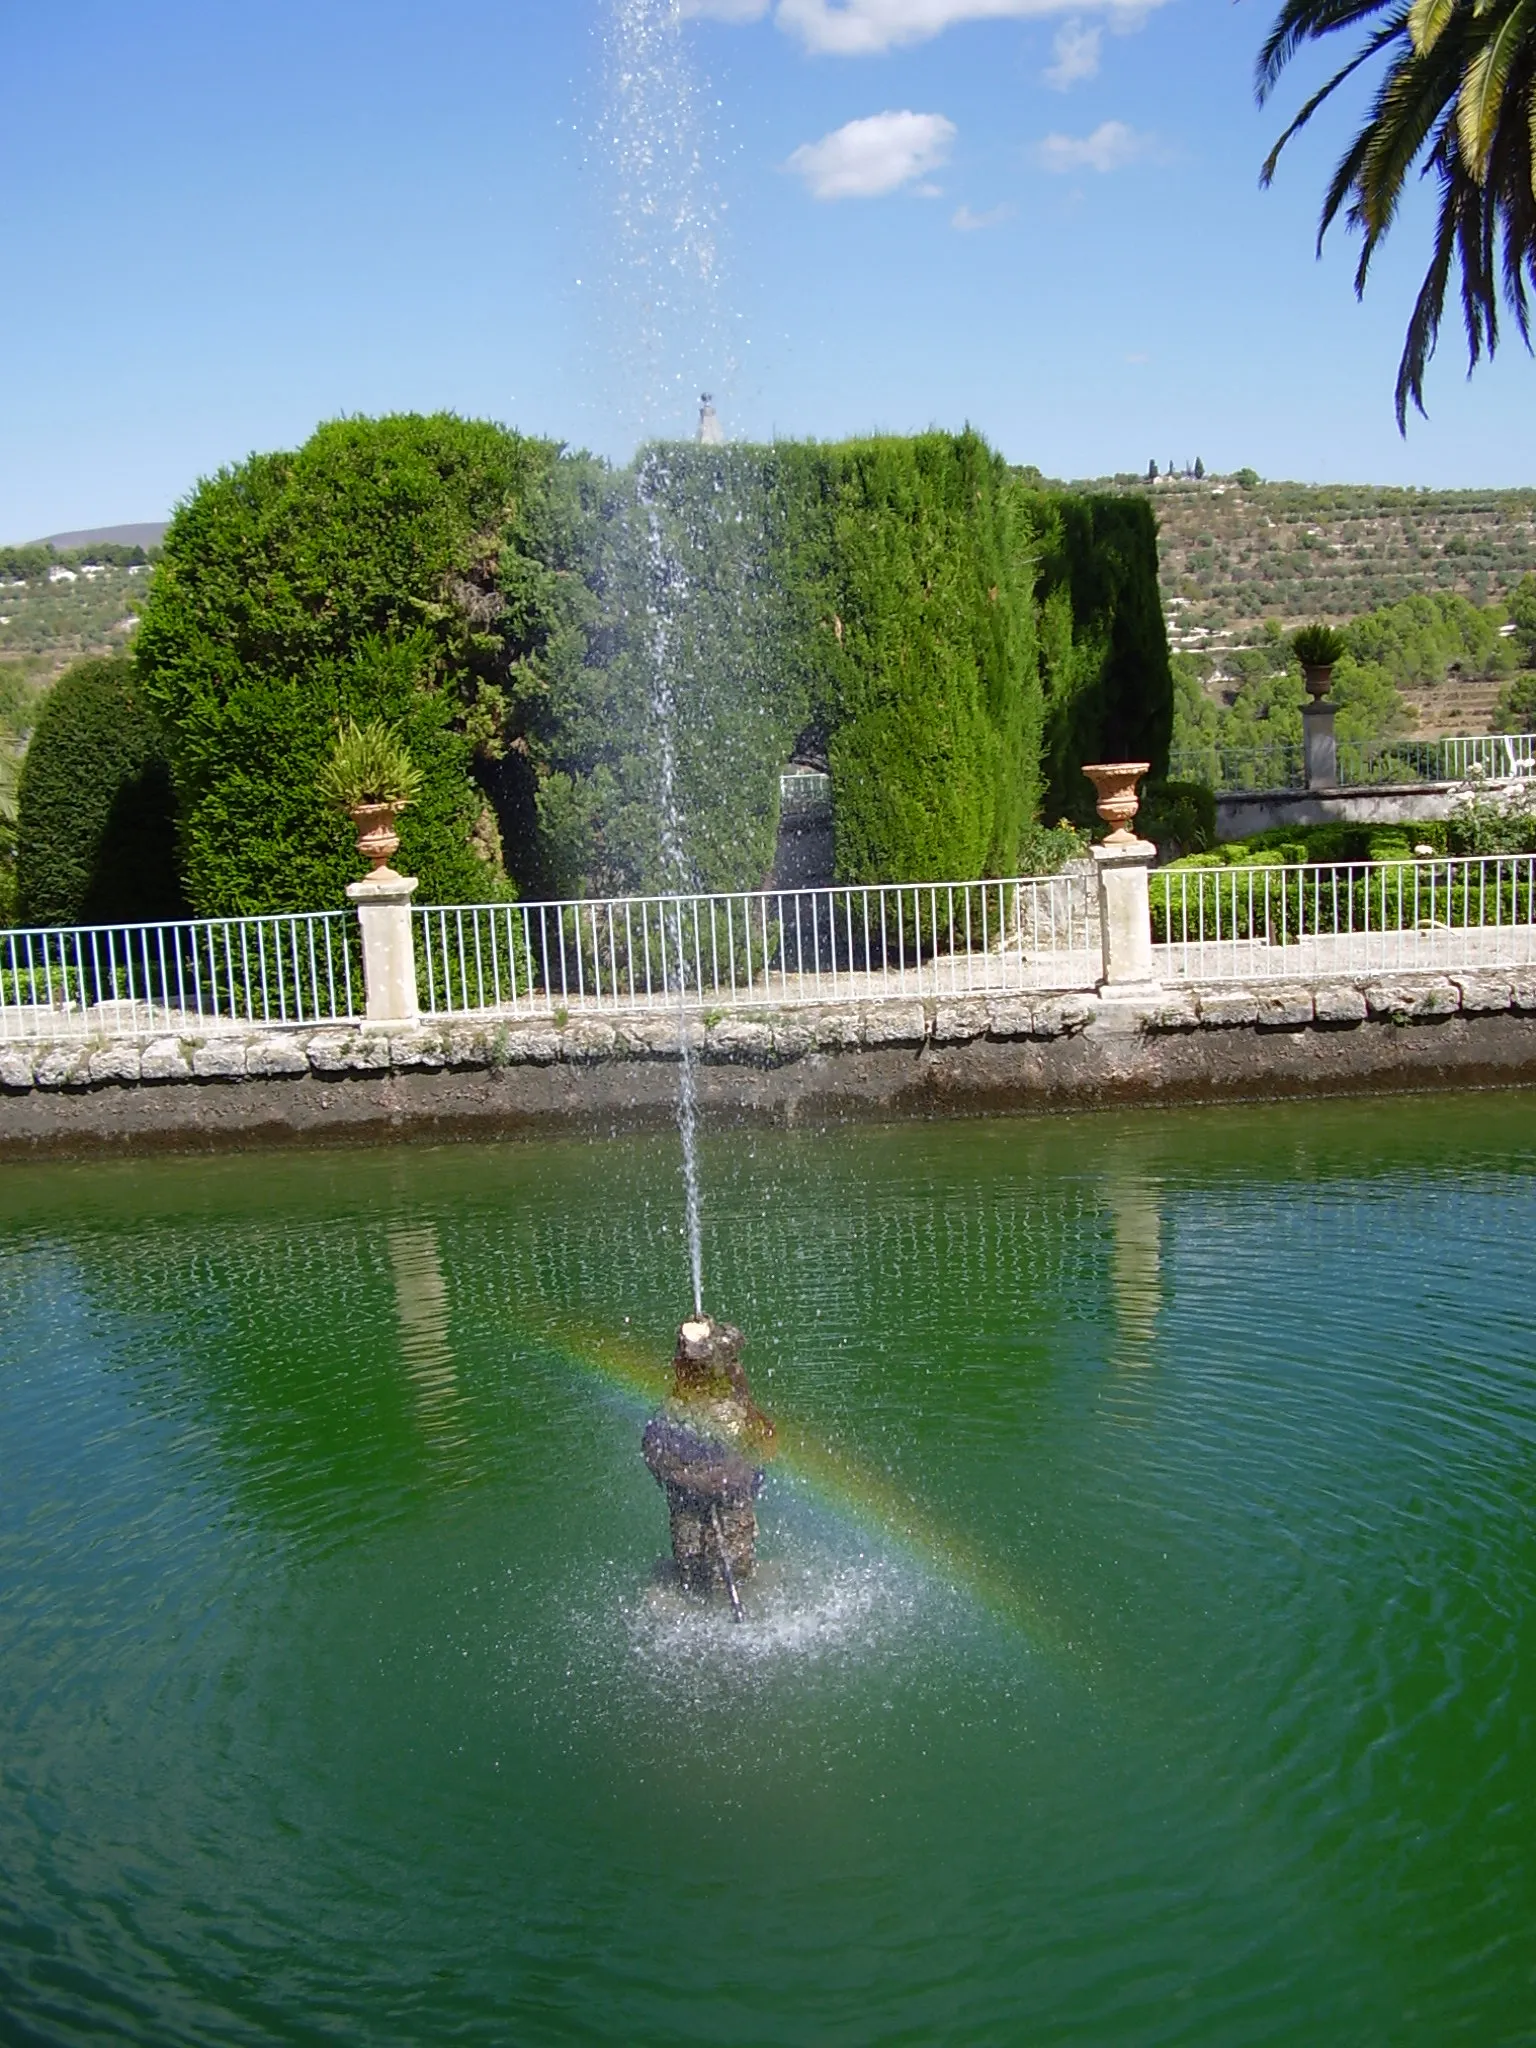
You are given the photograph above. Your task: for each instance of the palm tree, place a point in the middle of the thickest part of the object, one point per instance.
(1459, 101)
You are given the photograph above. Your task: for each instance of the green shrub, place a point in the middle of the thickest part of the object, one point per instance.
(668, 584)
(932, 690)
(363, 576)
(95, 835)
(873, 598)
(1516, 710)
(1104, 661)
(1178, 817)
(1046, 849)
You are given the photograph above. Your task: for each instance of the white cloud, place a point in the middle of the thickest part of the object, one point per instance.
(1077, 55)
(879, 154)
(964, 222)
(1110, 147)
(865, 28)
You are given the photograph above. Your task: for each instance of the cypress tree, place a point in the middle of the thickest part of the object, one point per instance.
(95, 831)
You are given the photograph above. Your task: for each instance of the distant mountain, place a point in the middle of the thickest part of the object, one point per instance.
(148, 534)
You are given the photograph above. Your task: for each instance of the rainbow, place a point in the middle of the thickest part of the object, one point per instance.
(840, 1480)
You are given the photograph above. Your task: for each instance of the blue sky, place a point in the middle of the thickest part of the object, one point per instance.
(227, 224)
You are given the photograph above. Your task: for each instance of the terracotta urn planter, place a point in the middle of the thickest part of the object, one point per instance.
(1318, 679)
(1116, 783)
(377, 839)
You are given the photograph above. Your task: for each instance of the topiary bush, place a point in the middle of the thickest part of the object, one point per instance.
(673, 611)
(1104, 661)
(1178, 817)
(930, 676)
(870, 599)
(364, 576)
(95, 830)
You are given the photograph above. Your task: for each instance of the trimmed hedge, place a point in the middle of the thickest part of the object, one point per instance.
(673, 619)
(523, 616)
(359, 577)
(1104, 660)
(872, 599)
(95, 831)
(1178, 817)
(931, 690)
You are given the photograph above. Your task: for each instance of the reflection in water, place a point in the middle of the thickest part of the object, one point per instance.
(421, 1302)
(1136, 1269)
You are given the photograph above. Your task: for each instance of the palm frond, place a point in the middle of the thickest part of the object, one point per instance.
(1379, 41)
(1426, 22)
(1458, 100)
(1424, 326)
(1410, 103)
(1480, 103)
(1303, 21)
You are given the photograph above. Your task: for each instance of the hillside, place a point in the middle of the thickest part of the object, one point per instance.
(66, 612)
(1234, 553)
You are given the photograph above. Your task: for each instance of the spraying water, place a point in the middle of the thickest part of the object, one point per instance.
(669, 340)
(670, 336)
(667, 585)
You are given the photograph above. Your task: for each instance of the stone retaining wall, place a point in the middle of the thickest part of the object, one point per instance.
(788, 1066)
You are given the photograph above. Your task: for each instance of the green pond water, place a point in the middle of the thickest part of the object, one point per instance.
(1145, 1647)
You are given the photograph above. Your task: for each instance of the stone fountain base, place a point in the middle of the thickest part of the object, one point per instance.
(697, 1540)
(701, 1451)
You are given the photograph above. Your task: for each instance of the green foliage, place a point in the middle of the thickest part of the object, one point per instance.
(1456, 98)
(668, 617)
(1046, 849)
(361, 577)
(1522, 613)
(1421, 638)
(1295, 845)
(24, 563)
(1397, 645)
(1317, 646)
(531, 624)
(873, 599)
(95, 841)
(1516, 709)
(928, 662)
(1104, 658)
(1495, 821)
(369, 765)
(1178, 817)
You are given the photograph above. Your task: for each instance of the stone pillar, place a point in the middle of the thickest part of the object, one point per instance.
(389, 956)
(1320, 746)
(1125, 916)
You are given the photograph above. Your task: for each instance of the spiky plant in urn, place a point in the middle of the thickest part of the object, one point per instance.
(1115, 782)
(372, 777)
(1317, 648)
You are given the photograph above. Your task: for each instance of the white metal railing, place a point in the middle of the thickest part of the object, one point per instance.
(804, 792)
(769, 946)
(1295, 923)
(1362, 764)
(208, 974)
